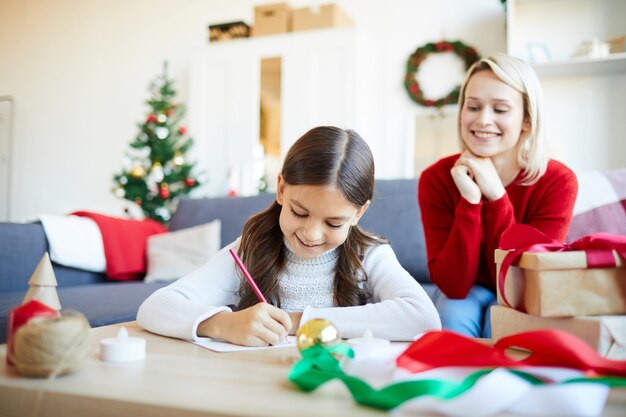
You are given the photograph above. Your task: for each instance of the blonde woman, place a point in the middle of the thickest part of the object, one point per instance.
(501, 177)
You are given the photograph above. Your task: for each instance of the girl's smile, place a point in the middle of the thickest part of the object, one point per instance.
(314, 218)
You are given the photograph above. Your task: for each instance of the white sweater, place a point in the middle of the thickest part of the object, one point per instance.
(399, 309)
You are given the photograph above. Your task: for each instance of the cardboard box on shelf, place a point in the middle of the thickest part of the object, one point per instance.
(606, 334)
(559, 284)
(617, 44)
(270, 19)
(325, 16)
(226, 31)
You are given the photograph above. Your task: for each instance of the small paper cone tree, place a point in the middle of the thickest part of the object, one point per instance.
(43, 284)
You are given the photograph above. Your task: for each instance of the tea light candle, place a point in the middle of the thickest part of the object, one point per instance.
(368, 340)
(123, 348)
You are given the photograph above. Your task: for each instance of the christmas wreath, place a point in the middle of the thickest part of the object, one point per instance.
(466, 53)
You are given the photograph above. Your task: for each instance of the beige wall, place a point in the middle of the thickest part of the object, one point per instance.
(79, 71)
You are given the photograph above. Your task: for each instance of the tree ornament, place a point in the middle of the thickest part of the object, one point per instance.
(182, 130)
(164, 191)
(151, 118)
(138, 172)
(156, 172)
(190, 182)
(162, 118)
(169, 112)
(162, 132)
(179, 159)
(316, 332)
(466, 53)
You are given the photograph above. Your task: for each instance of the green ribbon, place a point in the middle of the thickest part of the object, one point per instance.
(319, 365)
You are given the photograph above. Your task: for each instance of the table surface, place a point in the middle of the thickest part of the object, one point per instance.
(182, 379)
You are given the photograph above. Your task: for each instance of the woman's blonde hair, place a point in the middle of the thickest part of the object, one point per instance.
(532, 153)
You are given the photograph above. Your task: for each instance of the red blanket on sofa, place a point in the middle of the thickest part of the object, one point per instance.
(125, 243)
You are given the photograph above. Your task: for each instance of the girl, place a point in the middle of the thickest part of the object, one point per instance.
(308, 257)
(501, 177)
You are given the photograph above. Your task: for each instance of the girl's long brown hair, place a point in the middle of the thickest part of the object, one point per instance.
(324, 155)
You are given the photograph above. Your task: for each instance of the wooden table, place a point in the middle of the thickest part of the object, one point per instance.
(178, 378)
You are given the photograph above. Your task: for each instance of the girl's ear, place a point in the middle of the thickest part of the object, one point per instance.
(280, 189)
(360, 212)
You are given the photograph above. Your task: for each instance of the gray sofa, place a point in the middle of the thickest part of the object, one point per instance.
(393, 213)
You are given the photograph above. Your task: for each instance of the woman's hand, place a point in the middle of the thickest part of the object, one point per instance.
(259, 325)
(483, 174)
(464, 181)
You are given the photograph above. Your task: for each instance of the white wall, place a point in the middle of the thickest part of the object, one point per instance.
(79, 72)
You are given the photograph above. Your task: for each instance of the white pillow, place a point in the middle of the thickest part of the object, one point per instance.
(74, 241)
(174, 254)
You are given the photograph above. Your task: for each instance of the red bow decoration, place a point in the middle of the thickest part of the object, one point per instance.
(521, 238)
(548, 348)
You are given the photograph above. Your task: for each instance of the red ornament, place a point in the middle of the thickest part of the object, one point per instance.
(19, 316)
(164, 192)
(152, 118)
(190, 182)
(138, 201)
(182, 130)
(169, 112)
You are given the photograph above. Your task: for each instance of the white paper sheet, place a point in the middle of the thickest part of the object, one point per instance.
(221, 346)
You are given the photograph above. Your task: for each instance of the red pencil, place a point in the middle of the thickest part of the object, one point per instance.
(246, 274)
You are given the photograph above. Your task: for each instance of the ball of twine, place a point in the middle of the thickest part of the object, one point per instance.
(51, 346)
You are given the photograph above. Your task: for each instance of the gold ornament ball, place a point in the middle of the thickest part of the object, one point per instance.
(316, 332)
(138, 172)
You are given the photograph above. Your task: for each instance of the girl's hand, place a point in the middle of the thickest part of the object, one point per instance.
(464, 181)
(485, 175)
(259, 325)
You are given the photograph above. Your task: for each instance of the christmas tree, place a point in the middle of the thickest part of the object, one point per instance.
(155, 172)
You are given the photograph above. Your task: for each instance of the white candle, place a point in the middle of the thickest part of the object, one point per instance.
(122, 348)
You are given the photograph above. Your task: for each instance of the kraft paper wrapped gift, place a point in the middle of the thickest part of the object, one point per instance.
(324, 16)
(606, 334)
(559, 284)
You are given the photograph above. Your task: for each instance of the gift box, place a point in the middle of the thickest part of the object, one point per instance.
(560, 284)
(270, 19)
(226, 31)
(606, 334)
(325, 16)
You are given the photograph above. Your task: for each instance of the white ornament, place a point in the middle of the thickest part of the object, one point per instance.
(162, 132)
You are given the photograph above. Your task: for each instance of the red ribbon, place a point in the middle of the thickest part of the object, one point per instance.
(547, 348)
(521, 238)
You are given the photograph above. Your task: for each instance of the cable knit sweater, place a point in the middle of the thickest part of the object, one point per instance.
(399, 309)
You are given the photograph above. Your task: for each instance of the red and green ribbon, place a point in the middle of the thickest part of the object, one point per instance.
(320, 365)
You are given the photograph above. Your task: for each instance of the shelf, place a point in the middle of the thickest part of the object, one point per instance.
(614, 63)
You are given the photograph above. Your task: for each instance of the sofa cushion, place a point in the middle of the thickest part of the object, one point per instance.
(174, 254)
(103, 304)
(601, 203)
